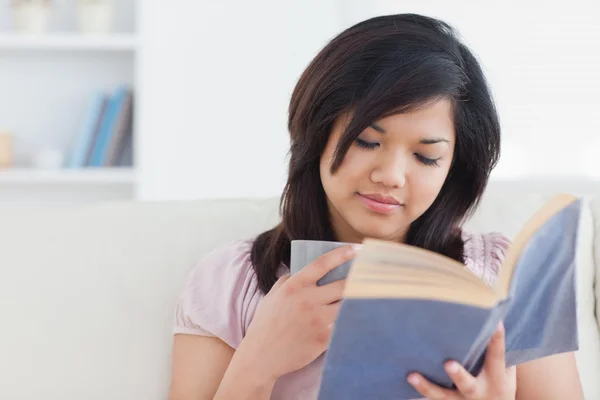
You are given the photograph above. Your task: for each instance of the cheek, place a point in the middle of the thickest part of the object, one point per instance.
(353, 164)
(353, 169)
(427, 184)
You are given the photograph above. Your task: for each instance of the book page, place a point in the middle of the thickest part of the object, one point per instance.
(381, 252)
(374, 280)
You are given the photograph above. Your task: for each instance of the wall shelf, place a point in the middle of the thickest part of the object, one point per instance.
(84, 176)
(68, 42)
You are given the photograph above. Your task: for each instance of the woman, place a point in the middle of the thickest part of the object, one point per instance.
(393, 136)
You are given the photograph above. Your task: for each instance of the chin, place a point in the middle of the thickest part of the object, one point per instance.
(379, 231)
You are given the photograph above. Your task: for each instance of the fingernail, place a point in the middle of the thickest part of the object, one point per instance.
(413, 379)
(452, 367)
(500, 327)
(357, 246)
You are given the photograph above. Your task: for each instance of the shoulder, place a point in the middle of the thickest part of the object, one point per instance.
(484, 253)
(220, 295)
(230, 261)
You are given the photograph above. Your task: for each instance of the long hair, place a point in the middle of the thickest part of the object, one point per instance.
(379, 67)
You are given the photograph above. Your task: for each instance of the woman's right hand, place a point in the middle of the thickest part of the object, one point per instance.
(293, 322)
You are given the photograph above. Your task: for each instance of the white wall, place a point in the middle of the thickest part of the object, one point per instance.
(543, 63)
(215, 83)
(216, 79)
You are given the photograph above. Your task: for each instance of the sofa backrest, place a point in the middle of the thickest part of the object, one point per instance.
(87, 294)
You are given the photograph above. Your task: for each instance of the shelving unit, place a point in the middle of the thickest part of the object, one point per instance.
(48, 80)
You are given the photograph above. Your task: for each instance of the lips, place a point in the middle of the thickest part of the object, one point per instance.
(380, 204)
(382, 199)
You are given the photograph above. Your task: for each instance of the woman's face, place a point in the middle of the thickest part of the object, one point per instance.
(391, 174)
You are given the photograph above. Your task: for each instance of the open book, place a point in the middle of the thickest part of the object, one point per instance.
(408, 309)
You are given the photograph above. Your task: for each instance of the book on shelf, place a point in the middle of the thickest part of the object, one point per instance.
(105, 133)
(406, 309)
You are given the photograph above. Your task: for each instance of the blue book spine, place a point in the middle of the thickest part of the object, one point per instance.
(107, 128)
(84, 140)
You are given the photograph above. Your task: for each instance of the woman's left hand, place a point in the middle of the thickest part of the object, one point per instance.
(495, 382)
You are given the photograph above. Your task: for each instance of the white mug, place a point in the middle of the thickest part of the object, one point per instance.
(303, 252)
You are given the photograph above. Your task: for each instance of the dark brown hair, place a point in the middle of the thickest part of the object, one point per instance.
(378, 67)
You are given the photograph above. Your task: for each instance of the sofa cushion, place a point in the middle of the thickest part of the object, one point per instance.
(588, 356)
(596, 221)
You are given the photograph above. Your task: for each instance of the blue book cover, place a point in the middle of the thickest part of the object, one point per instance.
(407, 309)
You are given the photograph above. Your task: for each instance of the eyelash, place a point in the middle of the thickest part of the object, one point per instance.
(366, 145)
(428, 161)
(363, 144)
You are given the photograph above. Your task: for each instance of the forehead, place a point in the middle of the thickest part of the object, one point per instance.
(432, 119)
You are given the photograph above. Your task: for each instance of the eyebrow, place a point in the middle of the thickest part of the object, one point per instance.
(378, 128)
(422, 141)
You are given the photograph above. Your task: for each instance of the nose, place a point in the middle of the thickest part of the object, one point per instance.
(390, 170)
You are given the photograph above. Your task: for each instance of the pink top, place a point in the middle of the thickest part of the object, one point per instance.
(222, 294)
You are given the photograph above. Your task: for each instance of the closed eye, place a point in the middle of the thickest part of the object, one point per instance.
(428, 161)
(373, 145)
(366, 145)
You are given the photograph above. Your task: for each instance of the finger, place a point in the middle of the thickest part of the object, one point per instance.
(495, 364)
(331, 292)
(511, 379)
(325, 263)
(467, 384)
(282, 279)
(511, 373)
(430, 390)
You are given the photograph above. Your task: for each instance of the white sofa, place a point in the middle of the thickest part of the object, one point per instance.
(87, 294)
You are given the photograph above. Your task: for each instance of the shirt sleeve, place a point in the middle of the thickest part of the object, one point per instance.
(220, 296)
(485, 253)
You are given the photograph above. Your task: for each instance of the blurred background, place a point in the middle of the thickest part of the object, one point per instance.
(105, 100)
